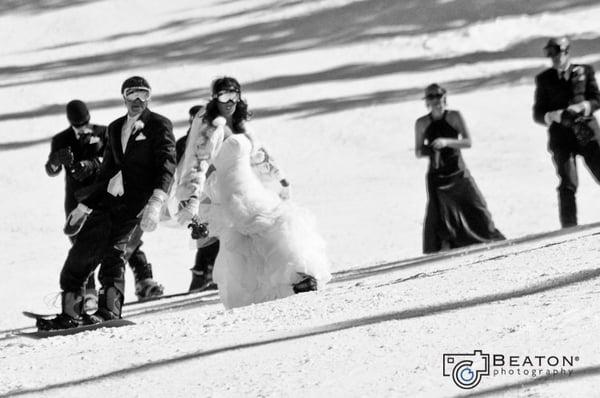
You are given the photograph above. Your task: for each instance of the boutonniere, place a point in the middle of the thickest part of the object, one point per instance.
(94, 139)
(579, 73)
(138, 126)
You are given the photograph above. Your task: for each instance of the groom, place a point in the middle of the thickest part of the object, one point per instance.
(130, 189)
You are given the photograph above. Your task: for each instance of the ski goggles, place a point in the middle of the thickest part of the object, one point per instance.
(226, 96)
(133, 93)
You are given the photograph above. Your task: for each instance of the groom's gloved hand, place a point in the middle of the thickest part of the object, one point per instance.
(151, 213)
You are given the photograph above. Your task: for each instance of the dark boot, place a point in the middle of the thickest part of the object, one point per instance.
(203, 268)
(567, 208)
(307, 284)
(71, 315)
(147, 288)
(145, 285)
(198, 280)
(110, 303)
(90, 297)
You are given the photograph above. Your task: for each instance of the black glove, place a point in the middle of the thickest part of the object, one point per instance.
(199, 230)
(63, 156)
(579, 124)
(82, 170)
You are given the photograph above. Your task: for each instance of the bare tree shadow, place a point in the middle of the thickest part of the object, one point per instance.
(324, 28)
(7, 146)
(37, 6)
(548, 285)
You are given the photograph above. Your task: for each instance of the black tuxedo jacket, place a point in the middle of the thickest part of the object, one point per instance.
(147, 164)
(553, 94)
(90, 149)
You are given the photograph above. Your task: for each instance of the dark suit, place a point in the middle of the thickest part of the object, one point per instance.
(552, 94)
(147, 164)
(90, 148)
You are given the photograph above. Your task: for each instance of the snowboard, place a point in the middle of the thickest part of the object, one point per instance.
(41, 334)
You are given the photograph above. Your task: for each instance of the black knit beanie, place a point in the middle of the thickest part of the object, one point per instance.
(77, 113)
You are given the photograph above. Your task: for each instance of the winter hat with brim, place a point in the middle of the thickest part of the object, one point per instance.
(77, 113)
(136, 82)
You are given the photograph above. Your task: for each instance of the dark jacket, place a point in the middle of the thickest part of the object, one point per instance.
(553, 94)
(90, 148)
(147, 164)
(180, 146)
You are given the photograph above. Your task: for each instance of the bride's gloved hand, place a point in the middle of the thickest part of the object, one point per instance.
(187, 210)
(285, 193)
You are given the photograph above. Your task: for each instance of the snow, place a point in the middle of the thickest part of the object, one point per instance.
(336, 88)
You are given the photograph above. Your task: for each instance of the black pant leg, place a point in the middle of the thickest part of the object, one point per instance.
(112, 272)
(136, 257)
(86, 251)
(566, 168)
(591, 155)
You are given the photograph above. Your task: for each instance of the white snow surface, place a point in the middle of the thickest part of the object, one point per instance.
(335, 87)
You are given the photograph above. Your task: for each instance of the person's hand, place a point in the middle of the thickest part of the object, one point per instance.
(65, 156)
(439, 143)
(82, 170)
(553, 117)
(187, 210)
(285, 193)
(76, 219)
(582, 107)
(151, 213)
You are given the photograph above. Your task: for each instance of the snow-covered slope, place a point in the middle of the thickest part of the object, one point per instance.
(335, 87)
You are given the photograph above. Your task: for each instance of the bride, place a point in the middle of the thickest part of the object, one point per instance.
(269, 248)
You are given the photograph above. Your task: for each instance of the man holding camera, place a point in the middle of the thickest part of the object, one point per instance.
(128, 194)
(566, 95)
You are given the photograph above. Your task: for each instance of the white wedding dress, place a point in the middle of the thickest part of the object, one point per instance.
(266, 242)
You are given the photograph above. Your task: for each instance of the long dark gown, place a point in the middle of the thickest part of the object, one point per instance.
(457, 214)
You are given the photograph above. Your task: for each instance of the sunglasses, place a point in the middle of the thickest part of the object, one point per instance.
(552, 51)
(434, 96)
(133, 93)
(226, 96)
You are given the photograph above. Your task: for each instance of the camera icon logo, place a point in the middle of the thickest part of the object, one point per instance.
(467, 369)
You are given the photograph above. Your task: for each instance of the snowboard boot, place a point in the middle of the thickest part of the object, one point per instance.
(148, 288)
(145, 286)
(307, 284)
(198, 280)
(70, 317)
(90, 301)
(110, 303)
(203, 268)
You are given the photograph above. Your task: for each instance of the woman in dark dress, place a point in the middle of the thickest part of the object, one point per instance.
(457, 214)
